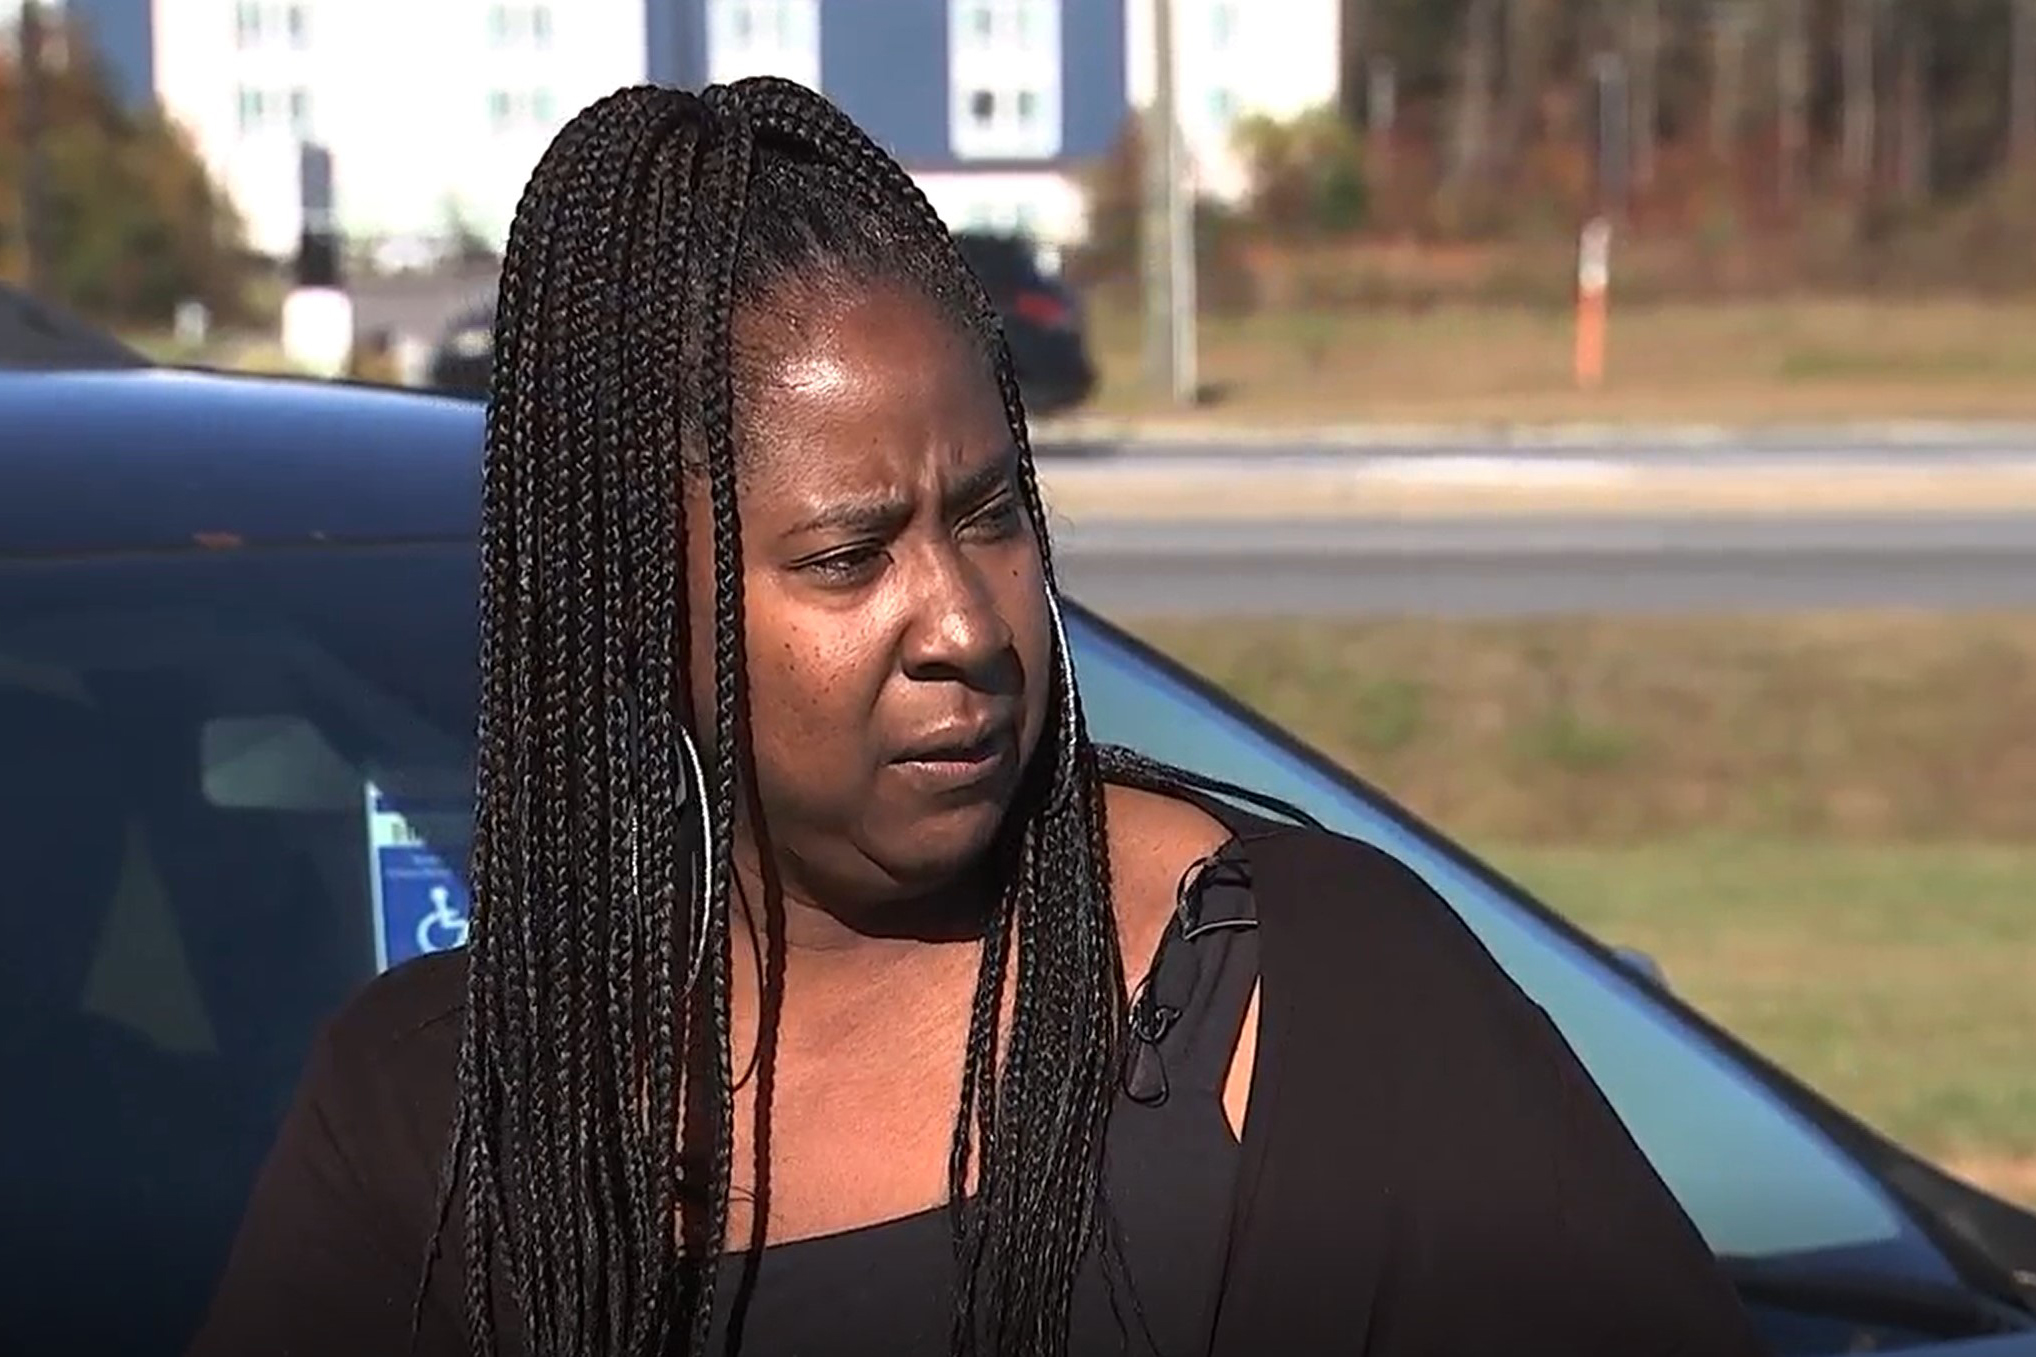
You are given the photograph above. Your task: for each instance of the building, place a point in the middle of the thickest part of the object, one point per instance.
(431, 113)
(1234, 59)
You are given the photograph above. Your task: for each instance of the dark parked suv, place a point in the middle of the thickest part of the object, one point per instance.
(1042, 318)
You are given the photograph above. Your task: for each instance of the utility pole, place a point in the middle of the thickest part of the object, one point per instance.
(2022, 84)
(1169, 253)
(34, 167)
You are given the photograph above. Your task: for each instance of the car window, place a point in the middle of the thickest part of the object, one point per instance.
(233, 786)
(230, 787)
(1758, 1180)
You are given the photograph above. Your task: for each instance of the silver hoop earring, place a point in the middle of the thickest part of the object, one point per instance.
(1069, 702)
(694, 773)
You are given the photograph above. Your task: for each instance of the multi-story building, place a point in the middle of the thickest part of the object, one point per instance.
(431, 113)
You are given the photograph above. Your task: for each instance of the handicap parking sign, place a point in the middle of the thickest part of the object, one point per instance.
(421, 901)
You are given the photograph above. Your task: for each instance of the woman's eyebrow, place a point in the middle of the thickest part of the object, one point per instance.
(880, 510)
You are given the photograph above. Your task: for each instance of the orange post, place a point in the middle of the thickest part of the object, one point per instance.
(1594, 279)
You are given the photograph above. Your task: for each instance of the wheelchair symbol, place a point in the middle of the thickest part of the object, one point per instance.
(444, 927)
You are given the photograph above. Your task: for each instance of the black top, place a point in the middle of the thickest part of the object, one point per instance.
(1425, 1169)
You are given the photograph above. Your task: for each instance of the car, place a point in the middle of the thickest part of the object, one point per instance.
(1042, 318)
(237, 706)
(37, 334)
(463, 357)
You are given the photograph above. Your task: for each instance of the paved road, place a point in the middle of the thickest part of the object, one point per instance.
(1682, 444)
(1542, 564)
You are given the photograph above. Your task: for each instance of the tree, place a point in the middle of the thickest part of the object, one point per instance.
(1307, 174)
(1861, 44)
(1792, 94)
(135, 222)
(2022, 84)
(1471, 136)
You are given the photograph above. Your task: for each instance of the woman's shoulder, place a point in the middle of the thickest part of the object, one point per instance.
(382, 1073)
(1333, 908)
(406, 1019)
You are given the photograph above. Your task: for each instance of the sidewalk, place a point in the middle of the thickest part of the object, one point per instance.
(1135, 435)
(1508, 483)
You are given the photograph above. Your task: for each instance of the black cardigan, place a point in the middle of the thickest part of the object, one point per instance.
(1428, 1169)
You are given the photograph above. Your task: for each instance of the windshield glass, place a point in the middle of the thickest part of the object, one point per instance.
(234, 786)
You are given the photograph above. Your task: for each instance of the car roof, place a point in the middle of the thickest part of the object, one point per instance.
(37, 335)
(162, 458)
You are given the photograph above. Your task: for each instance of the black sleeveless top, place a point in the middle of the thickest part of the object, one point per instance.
(1472, 1194)
(1170, 1164)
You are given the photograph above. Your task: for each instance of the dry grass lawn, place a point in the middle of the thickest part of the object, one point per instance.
(1799, 360)
(1821, 826)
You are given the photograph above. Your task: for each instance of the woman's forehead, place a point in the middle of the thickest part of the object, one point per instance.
(866, 387)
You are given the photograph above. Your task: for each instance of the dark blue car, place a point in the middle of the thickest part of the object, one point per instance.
(237, 687)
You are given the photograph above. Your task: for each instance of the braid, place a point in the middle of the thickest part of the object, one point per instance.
(1039, 1124)
(591, 1156)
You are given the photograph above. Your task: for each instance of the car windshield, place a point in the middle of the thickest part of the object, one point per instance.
(235, 785)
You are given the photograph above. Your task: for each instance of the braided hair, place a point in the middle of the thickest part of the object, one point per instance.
(590, 1161)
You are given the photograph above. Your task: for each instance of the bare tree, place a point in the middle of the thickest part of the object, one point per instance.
(1731, 28)
(1470, 150)
(2022, 84)
(1913, 137)
(1792, 88)
(1528, 24)
(1644, 39)
(1860, 48)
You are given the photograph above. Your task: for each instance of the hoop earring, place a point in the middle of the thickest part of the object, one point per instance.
(693, 772)
(1070, 702)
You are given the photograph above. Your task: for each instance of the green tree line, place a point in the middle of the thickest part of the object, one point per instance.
(1907, 100)
(133, 224)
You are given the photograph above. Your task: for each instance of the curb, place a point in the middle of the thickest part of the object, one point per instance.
(1137, 434)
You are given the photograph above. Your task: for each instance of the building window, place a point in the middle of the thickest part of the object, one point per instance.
(522, 110)
(253, 110)
(1005, 70)
(1004, 25)
(299, 23)
(1222, 24)
(540, 26)
(498, 25)
(1222, 107)
(247, 23)
(763, 37)
(300, 112)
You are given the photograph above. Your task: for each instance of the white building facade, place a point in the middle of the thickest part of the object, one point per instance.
(1234, 59)
(432, 113)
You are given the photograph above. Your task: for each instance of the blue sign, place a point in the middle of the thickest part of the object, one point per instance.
(422, 904)
(421, 901)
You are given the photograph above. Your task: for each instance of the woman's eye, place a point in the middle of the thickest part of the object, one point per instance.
(997, 520)
(852, 566)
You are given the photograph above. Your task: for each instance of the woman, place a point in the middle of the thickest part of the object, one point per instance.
(828, 991)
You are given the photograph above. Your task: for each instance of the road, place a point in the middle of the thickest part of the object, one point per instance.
(1525, 564)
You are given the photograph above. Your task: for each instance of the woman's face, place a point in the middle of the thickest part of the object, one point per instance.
(899, 644)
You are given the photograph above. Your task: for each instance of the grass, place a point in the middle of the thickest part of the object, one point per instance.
(1738, 362)
(1847, 727)
(1821, 826)
(1900, 979)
